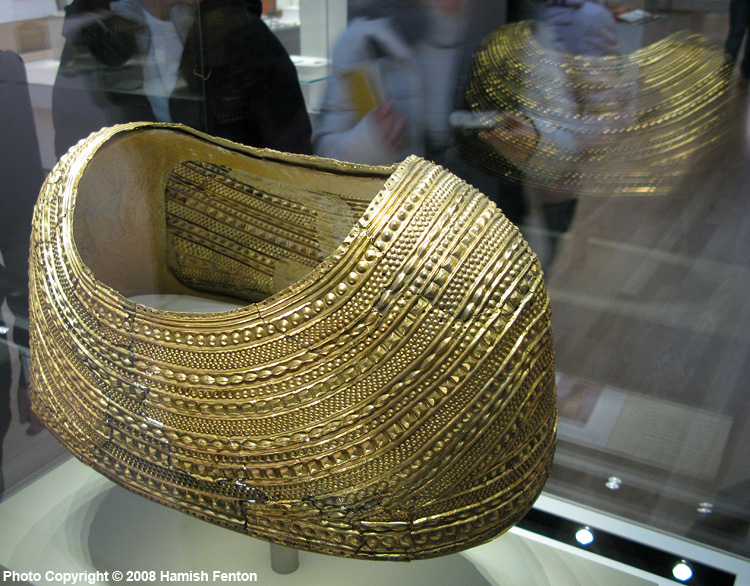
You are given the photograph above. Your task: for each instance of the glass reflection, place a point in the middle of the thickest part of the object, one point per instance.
(397, 74)
(22, 175)
(213, 65)
(646, 291)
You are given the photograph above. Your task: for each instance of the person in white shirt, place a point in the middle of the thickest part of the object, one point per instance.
(419, 53)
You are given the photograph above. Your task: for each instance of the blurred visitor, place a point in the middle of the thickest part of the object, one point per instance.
(22, 176)
(213, 65)
(576, 103)
(579, 27)
(739, 21)
(571, 27)
(398, 73)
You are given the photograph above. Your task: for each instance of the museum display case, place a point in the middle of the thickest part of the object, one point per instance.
(649, 483)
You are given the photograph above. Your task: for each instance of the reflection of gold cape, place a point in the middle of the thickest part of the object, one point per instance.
(627, 124)
(389, 391)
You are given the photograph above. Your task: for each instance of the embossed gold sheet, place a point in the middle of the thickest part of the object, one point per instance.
(385, 389)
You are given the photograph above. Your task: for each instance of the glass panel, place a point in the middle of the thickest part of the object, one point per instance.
(649, 308)
(24, 449)
(648, 293)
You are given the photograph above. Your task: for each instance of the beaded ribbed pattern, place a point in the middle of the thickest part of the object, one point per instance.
(396, 403)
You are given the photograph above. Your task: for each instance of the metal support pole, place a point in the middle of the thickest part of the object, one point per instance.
(284, 560)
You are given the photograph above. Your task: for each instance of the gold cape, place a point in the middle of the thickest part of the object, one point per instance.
(386, 388)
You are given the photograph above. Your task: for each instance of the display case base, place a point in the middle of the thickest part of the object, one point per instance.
(74, 521)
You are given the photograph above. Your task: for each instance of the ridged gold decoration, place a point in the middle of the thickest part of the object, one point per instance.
(385, 391)
(620, 125)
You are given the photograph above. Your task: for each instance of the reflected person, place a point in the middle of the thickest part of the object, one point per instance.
(578, 119)
(572, 27)
(22, 174)
(739, 22)
(398, 73)
(213, 65)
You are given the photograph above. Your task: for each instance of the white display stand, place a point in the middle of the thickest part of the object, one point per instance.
(73, 520)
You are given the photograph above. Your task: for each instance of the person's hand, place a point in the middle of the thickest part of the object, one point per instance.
(26, 414)
(391, 126)
(514, 137)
